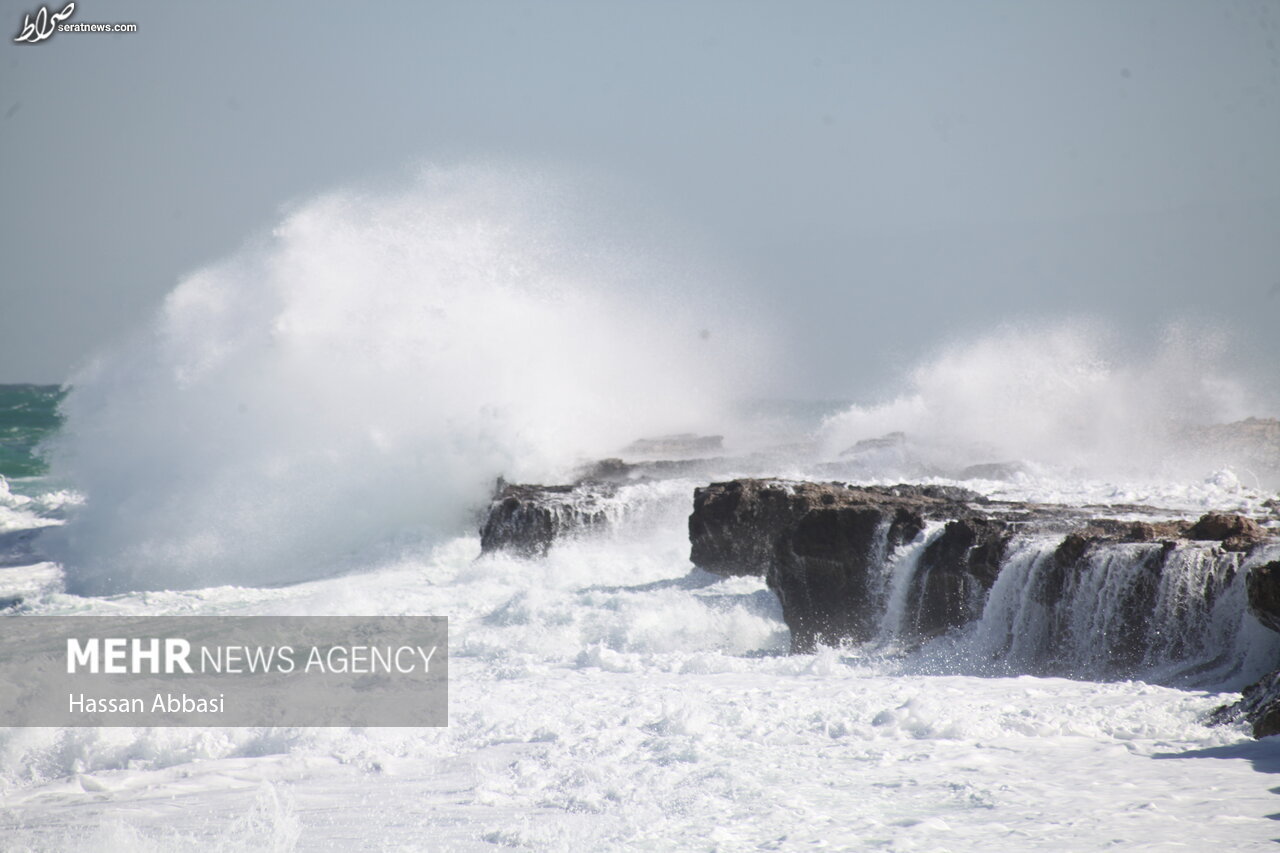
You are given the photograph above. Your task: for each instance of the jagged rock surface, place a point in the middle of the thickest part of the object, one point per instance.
(526, 519)
(1235, 532)
(817, 545)
(821, 548)
(1259, 706)
(956, 570)
(1263, 586)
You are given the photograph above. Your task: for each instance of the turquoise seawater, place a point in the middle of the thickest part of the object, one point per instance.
(28, 414)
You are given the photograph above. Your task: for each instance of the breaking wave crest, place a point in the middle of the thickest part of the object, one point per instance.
(366, 373)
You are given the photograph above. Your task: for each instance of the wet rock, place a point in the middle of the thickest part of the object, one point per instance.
(825, 565)
(526, 519)
(956, 571)
(735, 526)
(823, 548)
(1263, 586)
(818, 545)
(1259, 706)
(1147, 531)
(1235, 532)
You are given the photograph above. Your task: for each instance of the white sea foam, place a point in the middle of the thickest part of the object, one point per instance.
(607, 697)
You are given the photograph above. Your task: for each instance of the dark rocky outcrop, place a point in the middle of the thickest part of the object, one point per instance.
(853, 563)
(956, 570)
(526, 519)
(822, 549)
(1259, 703)
(1259, 706)
(1263, 586)
(735, 526)
(1235, 532)
(823, 568)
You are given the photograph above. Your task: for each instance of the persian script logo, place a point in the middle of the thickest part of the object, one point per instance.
(44, 25)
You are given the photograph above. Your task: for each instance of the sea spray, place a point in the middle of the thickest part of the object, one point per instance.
(363, 376)
(1064, 398)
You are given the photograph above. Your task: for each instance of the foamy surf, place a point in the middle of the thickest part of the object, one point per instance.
(313, 426)
(613, 698)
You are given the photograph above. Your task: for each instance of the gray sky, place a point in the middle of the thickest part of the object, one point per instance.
(880, 175)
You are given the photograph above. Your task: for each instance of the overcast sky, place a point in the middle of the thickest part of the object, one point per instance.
(879, 175)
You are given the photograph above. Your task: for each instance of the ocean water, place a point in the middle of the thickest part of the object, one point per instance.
(314, 426)
(28, 413)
